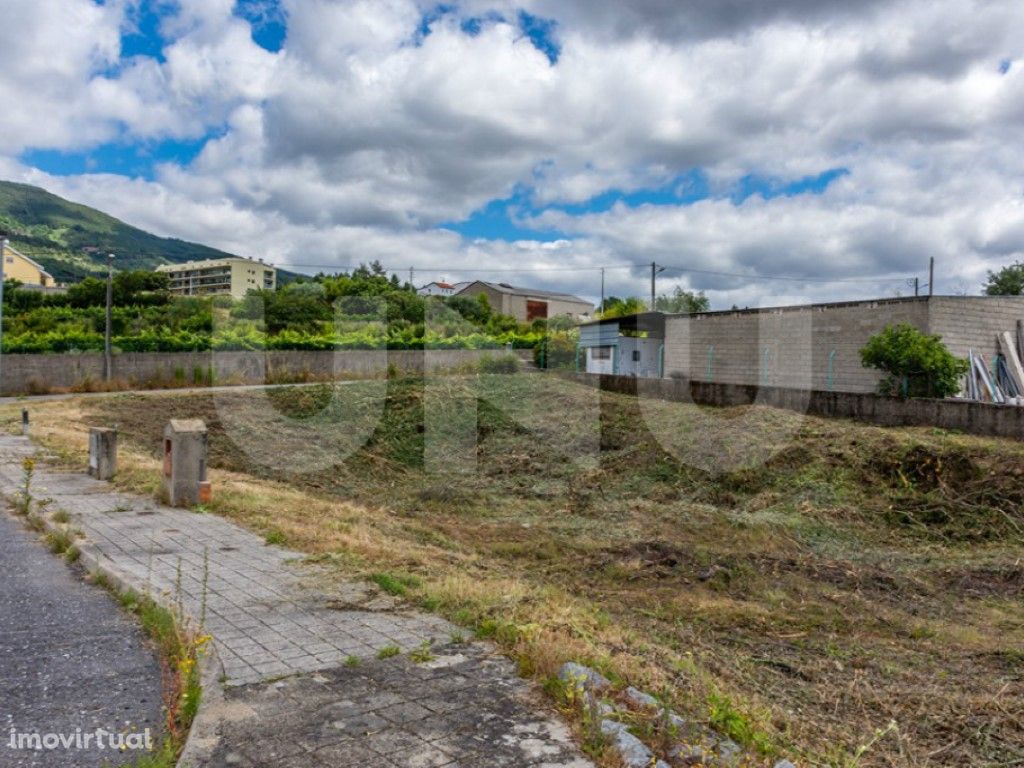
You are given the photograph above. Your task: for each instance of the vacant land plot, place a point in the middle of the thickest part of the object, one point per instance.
(844, 594)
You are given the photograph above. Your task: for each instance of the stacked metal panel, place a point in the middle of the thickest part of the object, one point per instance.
(1003, 382)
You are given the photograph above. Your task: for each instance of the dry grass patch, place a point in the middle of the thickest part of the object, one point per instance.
(820, 581)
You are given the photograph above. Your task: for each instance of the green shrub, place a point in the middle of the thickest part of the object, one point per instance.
(917, 364)
(556, 351)
(502, 364)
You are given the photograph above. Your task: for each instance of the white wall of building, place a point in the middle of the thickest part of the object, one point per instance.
(639, 356)
(601, 360)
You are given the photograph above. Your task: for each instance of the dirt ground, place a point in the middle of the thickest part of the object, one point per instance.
(837, 593)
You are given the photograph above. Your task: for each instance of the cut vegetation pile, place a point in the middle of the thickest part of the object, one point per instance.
(834, 592)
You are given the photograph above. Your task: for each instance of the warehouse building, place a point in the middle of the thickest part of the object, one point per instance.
(528, 304)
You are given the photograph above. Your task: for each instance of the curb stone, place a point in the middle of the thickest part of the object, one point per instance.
(203, 735)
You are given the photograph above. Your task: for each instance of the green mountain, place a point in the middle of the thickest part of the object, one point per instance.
(72, 241)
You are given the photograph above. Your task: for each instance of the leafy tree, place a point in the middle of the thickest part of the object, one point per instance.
(296, 306)
(683, 301)
(917, 364)
(616, 307)
(556, 351)
(1009, 281)
(139, 287)
(472, 309)
(90, 292)
(19, 299)
(131, 288)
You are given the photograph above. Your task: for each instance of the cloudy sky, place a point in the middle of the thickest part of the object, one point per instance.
(736, 142)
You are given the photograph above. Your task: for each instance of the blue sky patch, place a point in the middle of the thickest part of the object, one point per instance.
(769, 187)
(685, 189)
(542, 34)
(268, 22)
(427, 20)
(142, 35)
(475, 24)
(496, 221)
(499, 219)
(133, 160)
(1004, 66)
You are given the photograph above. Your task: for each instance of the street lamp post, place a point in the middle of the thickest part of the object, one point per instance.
(108, 362)
(3, 263)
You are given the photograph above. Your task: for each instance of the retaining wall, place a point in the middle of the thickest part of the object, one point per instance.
(25, 374)
(961, 415)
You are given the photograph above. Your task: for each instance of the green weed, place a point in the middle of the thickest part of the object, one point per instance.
(393, 584)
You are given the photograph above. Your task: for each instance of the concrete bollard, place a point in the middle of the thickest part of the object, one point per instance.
(184, 462)
(102, 452)
(24, 421)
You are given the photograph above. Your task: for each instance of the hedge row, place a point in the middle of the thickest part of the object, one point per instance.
(74, 340)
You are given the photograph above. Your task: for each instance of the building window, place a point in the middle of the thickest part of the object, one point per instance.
(636, 355)
(536, 310)
(601, 353)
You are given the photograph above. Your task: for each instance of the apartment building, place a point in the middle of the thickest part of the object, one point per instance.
(235, 276)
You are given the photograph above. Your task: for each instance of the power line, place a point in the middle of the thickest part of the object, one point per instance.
(789, 277)
(599, 268)
(467, 269)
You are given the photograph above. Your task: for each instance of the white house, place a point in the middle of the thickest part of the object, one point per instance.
(440, 289)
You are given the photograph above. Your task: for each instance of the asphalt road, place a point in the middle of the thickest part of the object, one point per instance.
(69, 659)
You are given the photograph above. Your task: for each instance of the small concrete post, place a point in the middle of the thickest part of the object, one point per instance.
(185, 462)
(24, 421)
(102, 452)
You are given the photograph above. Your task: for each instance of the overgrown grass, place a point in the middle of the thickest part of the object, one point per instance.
(395, 584)
(61, 541)
(276, 538)
(796, 582)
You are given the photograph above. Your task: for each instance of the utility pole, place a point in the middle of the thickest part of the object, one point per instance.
(917, 289)
(3, 264)
(931, 276)
(602, 289)
(655, 269)
(412, 276)
(108, 361)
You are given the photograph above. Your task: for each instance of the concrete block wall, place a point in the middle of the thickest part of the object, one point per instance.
(791, 346)
(25, 374)
(788, 346)
(973, 322)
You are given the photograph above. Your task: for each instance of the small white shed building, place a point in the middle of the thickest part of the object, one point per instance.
(633, 345)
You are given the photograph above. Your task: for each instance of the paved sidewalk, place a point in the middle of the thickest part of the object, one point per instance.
(270, 618)
(69, 658)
